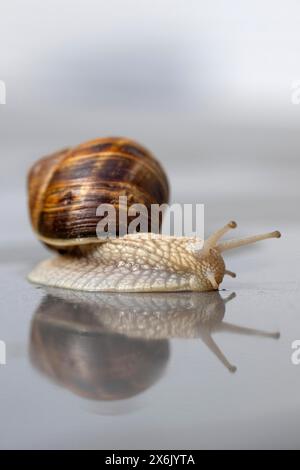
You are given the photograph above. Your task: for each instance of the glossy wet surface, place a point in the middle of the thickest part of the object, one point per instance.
(153, 371)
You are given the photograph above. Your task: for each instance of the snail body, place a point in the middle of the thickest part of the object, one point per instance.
(63, 201)
(141, 263)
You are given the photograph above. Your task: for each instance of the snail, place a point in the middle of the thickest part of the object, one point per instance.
(65, 190)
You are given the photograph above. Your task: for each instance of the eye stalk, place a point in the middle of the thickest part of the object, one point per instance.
(212, 251)
(215, 237)
(231, 244)
(212, 241)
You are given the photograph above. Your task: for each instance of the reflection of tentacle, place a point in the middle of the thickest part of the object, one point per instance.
(214, 348)
(241, 330)
(230, 273)
(229, 297)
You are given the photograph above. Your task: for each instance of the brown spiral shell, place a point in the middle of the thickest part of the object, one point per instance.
(66, 188)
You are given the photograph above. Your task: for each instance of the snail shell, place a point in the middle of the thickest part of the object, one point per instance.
(66, 188)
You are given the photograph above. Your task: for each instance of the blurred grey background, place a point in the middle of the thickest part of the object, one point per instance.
(206, 85)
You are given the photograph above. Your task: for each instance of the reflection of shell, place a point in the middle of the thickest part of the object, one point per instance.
(99, 365)
(110, 346)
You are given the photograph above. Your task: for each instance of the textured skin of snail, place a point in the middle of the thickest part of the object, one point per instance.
(134, 263)
(143, 263)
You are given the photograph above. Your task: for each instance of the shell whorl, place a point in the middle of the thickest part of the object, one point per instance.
(66, 188)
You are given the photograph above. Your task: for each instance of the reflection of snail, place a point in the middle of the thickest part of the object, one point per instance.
(112, 346)
(65, 191)
(69, 344)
